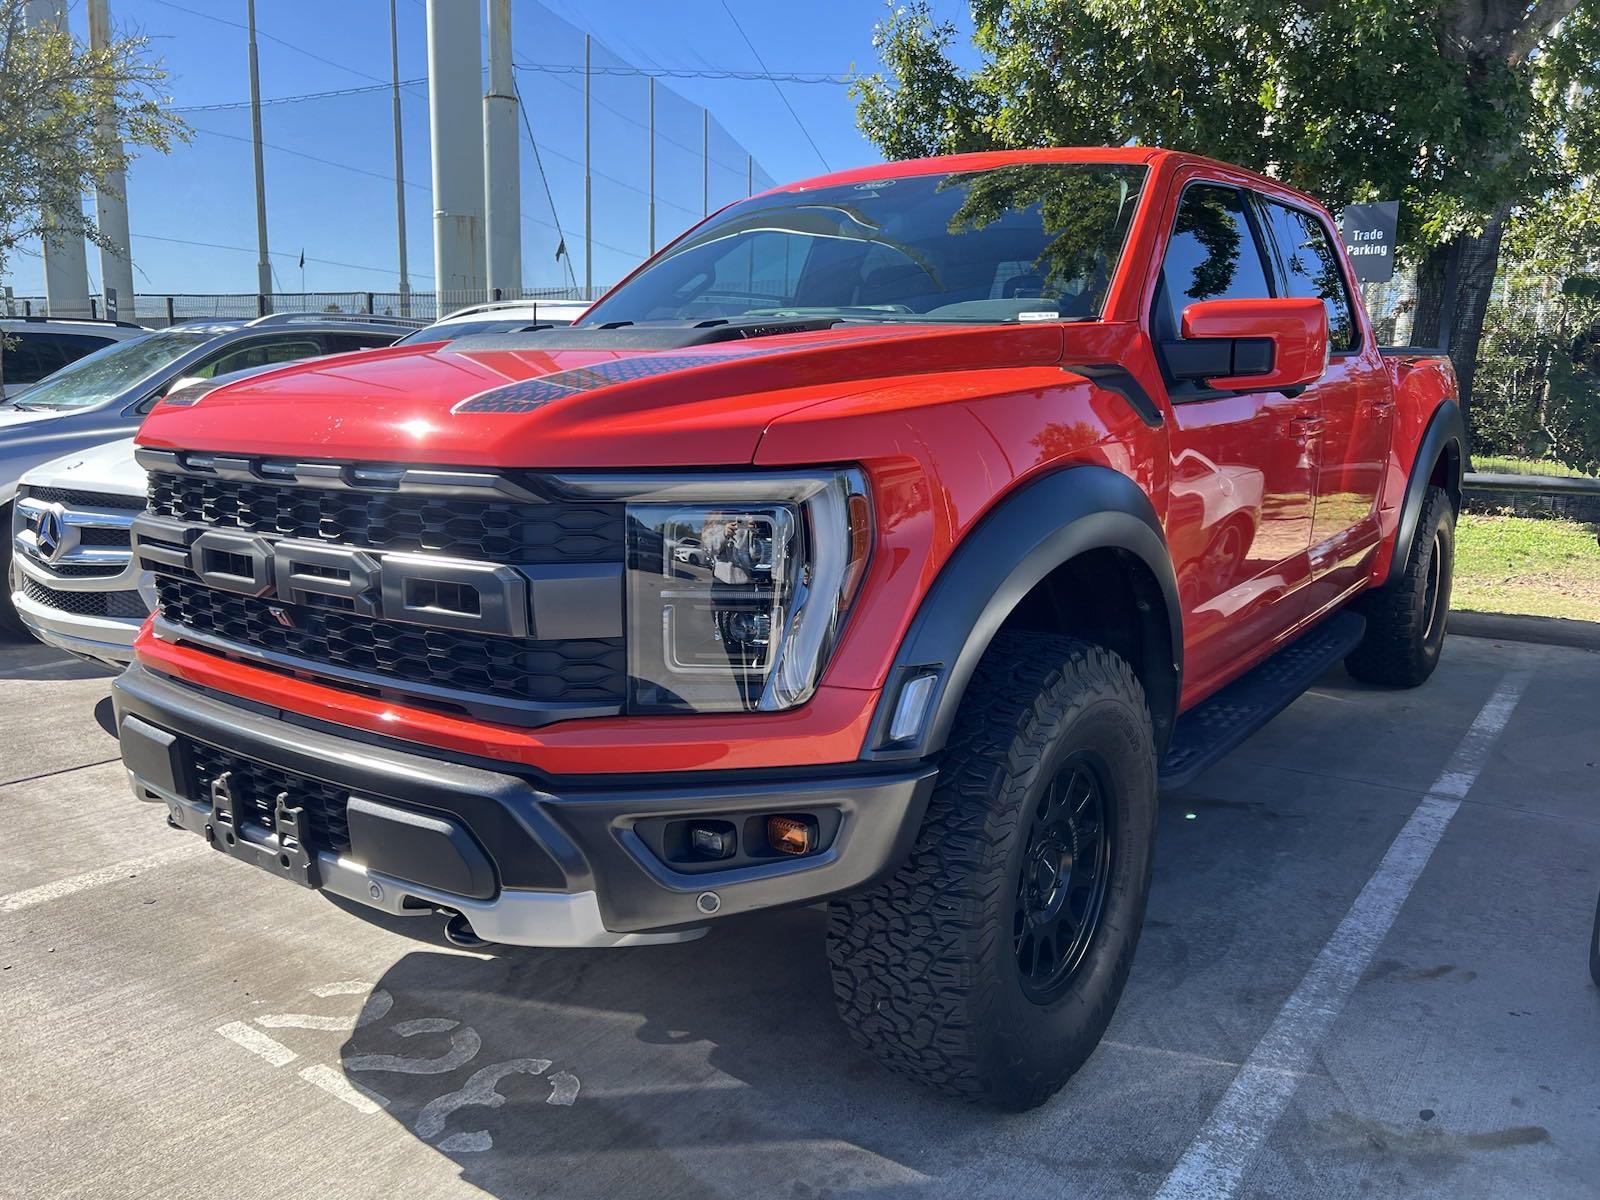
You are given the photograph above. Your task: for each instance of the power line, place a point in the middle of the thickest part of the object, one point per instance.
(302, 96)
(775, 86)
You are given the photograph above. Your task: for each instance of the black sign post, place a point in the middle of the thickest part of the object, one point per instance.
(1369, 239)
(111, 304)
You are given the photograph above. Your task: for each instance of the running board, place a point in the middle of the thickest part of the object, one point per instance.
(1216, 726)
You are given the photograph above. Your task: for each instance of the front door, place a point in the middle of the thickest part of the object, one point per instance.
(1239, 517)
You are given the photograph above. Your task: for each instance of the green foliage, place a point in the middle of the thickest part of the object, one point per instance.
(1537, 392)
(1439, 105)
(68, 115)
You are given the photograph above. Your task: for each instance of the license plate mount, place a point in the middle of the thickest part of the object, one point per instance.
(284, 851)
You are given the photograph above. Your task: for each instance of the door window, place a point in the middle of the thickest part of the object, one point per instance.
(1309, 266)
(261, 353)
(344, 343)
(1212, 255)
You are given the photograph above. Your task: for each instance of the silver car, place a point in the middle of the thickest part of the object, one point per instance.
(102, 398)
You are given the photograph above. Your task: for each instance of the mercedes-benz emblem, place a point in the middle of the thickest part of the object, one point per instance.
(50, 535)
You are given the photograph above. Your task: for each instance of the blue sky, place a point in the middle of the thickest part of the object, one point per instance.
(329, 162)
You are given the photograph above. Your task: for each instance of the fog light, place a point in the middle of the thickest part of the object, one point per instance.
(711, 841)
(791, 835)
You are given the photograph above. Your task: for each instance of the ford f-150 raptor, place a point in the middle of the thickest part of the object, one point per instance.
(888, 538)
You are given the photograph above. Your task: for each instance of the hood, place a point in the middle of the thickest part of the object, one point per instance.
(108, 468)
(487, 405)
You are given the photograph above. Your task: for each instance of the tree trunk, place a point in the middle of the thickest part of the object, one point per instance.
(1427, 319)
(1475, 271)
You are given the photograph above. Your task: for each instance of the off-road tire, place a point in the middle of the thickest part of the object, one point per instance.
(1406, 617)
(10, 624)
(925, 964)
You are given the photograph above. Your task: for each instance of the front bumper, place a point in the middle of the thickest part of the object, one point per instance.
(525, 861)
(105, 641)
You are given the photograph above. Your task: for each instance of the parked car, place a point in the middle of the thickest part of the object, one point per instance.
(1025, 483)
(103, 396)
(500, 316)
(33, 348)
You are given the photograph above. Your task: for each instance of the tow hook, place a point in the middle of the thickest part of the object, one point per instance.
(458, 932)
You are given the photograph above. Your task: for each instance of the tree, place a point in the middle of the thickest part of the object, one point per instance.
(54, 146)
(1461, 109)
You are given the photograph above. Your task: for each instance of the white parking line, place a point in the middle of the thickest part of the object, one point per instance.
(189, 848)
(1215, 1162)
(253, 1040)
(362, 1099)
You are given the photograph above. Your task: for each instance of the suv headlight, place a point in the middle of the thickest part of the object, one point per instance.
(737, 588)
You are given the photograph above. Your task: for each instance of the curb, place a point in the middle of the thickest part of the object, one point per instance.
(1544, 631)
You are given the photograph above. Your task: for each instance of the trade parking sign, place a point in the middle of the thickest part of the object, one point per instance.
(1369, 239)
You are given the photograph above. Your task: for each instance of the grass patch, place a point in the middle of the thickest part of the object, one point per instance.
(1536, 566)
(1495, 464)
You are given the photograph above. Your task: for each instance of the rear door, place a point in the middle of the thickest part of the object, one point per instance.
(1242, 464)
(1354, 403)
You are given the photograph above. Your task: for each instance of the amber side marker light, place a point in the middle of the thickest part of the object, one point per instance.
(791, 835)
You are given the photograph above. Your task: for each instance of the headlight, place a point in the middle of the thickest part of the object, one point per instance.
(736, 594)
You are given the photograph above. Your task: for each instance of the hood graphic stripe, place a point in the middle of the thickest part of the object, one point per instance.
(529, 395)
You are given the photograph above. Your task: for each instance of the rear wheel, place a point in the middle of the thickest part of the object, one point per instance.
(989, 964)
(1406, 617)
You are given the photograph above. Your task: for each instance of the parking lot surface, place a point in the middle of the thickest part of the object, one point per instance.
(1363, 973)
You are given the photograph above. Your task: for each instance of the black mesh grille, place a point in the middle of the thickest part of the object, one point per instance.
(493, 530)
(589, 670)
(76, 499)
(85, 570)
(255, 787)
(85, 604)
(103, 535)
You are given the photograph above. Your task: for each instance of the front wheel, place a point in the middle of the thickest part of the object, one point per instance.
(10, 579)
(1406, 617)
(989, 964)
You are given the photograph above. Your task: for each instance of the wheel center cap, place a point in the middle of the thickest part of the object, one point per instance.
(1049, 868)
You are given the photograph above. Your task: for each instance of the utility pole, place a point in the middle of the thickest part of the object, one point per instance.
(111, 195)
(66, 268)
(705, 162)
(455, 108)
(588, 184)
(399, 160)
(263, 262)
(502, 183)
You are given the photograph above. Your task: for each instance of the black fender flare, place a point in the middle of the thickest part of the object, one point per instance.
(1446, 429)
(1030, 533)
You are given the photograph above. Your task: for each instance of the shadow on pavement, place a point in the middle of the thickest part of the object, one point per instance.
(712, 1066)
(23, 658)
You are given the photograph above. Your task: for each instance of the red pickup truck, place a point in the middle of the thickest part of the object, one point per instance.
(889, 538)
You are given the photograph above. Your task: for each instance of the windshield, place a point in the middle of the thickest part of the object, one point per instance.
(1040, 239)
(448, 331)
(110, 372)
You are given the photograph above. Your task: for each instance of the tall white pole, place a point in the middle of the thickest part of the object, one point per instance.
(502, 182)
(66, 267)
(588, 184)
(455, 114)
(399, 161)
(111, 194)
(652, 172)
(263, 262)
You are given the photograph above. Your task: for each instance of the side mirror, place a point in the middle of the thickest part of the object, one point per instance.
(1257, 345)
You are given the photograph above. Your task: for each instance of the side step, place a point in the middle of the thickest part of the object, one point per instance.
(1216, 726)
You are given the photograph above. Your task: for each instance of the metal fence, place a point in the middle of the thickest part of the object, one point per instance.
(156, 310)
